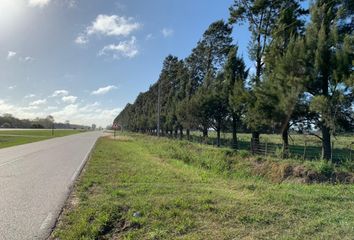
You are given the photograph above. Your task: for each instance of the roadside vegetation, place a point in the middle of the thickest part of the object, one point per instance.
(143, 187)
(9, 138)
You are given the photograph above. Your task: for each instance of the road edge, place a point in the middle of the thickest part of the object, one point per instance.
(74, 178)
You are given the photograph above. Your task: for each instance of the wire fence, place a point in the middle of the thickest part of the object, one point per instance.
(306, 149)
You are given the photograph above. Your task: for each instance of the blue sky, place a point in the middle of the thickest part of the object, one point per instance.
(84, 60)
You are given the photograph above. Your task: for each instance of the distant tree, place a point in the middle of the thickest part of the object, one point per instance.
(262, 17)
(235, 75)
(204, 64)
(6, 125)
(284, 78)
(282, 93)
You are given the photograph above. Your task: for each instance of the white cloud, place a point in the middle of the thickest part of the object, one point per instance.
(38, 102)
(26, 59)
(38, 3)
(12, 87)
(86, 114)
(149, 37)
(113, 26)
(81, 39)
(60, 93)
(69, 99)
(77, 113)
(120, 6)
(71, 3)
(127, 49)
(30, 96)
(104, 90)
(167, 32)
(52, 108)
(11, 54)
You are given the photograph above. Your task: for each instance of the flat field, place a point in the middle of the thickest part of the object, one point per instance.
(141, 187)
(9, 138)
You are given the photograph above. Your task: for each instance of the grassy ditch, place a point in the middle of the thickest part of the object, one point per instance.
(140, 187)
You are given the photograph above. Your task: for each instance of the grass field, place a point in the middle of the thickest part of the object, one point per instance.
(9, 138)
(141, 187)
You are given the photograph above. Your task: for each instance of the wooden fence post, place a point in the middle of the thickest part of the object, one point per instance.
(251, 146)
(305, 149)
(332, 151)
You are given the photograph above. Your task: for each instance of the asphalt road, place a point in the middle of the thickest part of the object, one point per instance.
(35, 180)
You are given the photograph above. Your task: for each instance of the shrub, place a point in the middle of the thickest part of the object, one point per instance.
(326, 168)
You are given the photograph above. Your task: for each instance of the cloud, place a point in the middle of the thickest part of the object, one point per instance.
(38, 3)
(38, 102)
(71, 3)
(122, 49)
(81, 39)
(60, 93)
(106, 25)
(149, 37)
(30, 96)
(76, 113)
(11, 55)
(26, 59)
(69, 99)
(167, 32)
(120, 6)
(104, 90)
(12, 87)
(86, 114)
(113, 26)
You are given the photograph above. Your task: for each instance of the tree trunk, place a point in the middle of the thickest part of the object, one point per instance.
(255, 142)
(285, 137)
(188, 134)
(326, 143)
(205, 134)
(326, 134)
(176, 133)
(181, 133)
(218, 130)
(234, 132)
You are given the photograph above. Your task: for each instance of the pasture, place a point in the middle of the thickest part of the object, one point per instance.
(9, 138)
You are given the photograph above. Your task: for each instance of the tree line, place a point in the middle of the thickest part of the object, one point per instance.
(9, 121)
(302, 78)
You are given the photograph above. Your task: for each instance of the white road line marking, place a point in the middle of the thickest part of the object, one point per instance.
(46, 221)
(78, 170)
(12, 161)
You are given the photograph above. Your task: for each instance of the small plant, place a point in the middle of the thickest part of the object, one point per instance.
(279, 152)
(326, 168)
(244, 153)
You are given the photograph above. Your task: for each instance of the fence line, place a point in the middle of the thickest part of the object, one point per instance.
(303, 151)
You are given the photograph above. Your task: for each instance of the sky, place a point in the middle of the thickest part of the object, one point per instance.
(84, 60)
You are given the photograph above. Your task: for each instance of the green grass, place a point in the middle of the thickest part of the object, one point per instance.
(17, 137)
(185, 190)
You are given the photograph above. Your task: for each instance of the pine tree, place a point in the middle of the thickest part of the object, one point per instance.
(329, 42)
(261, 17)
(235, 75)
(284, 71)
